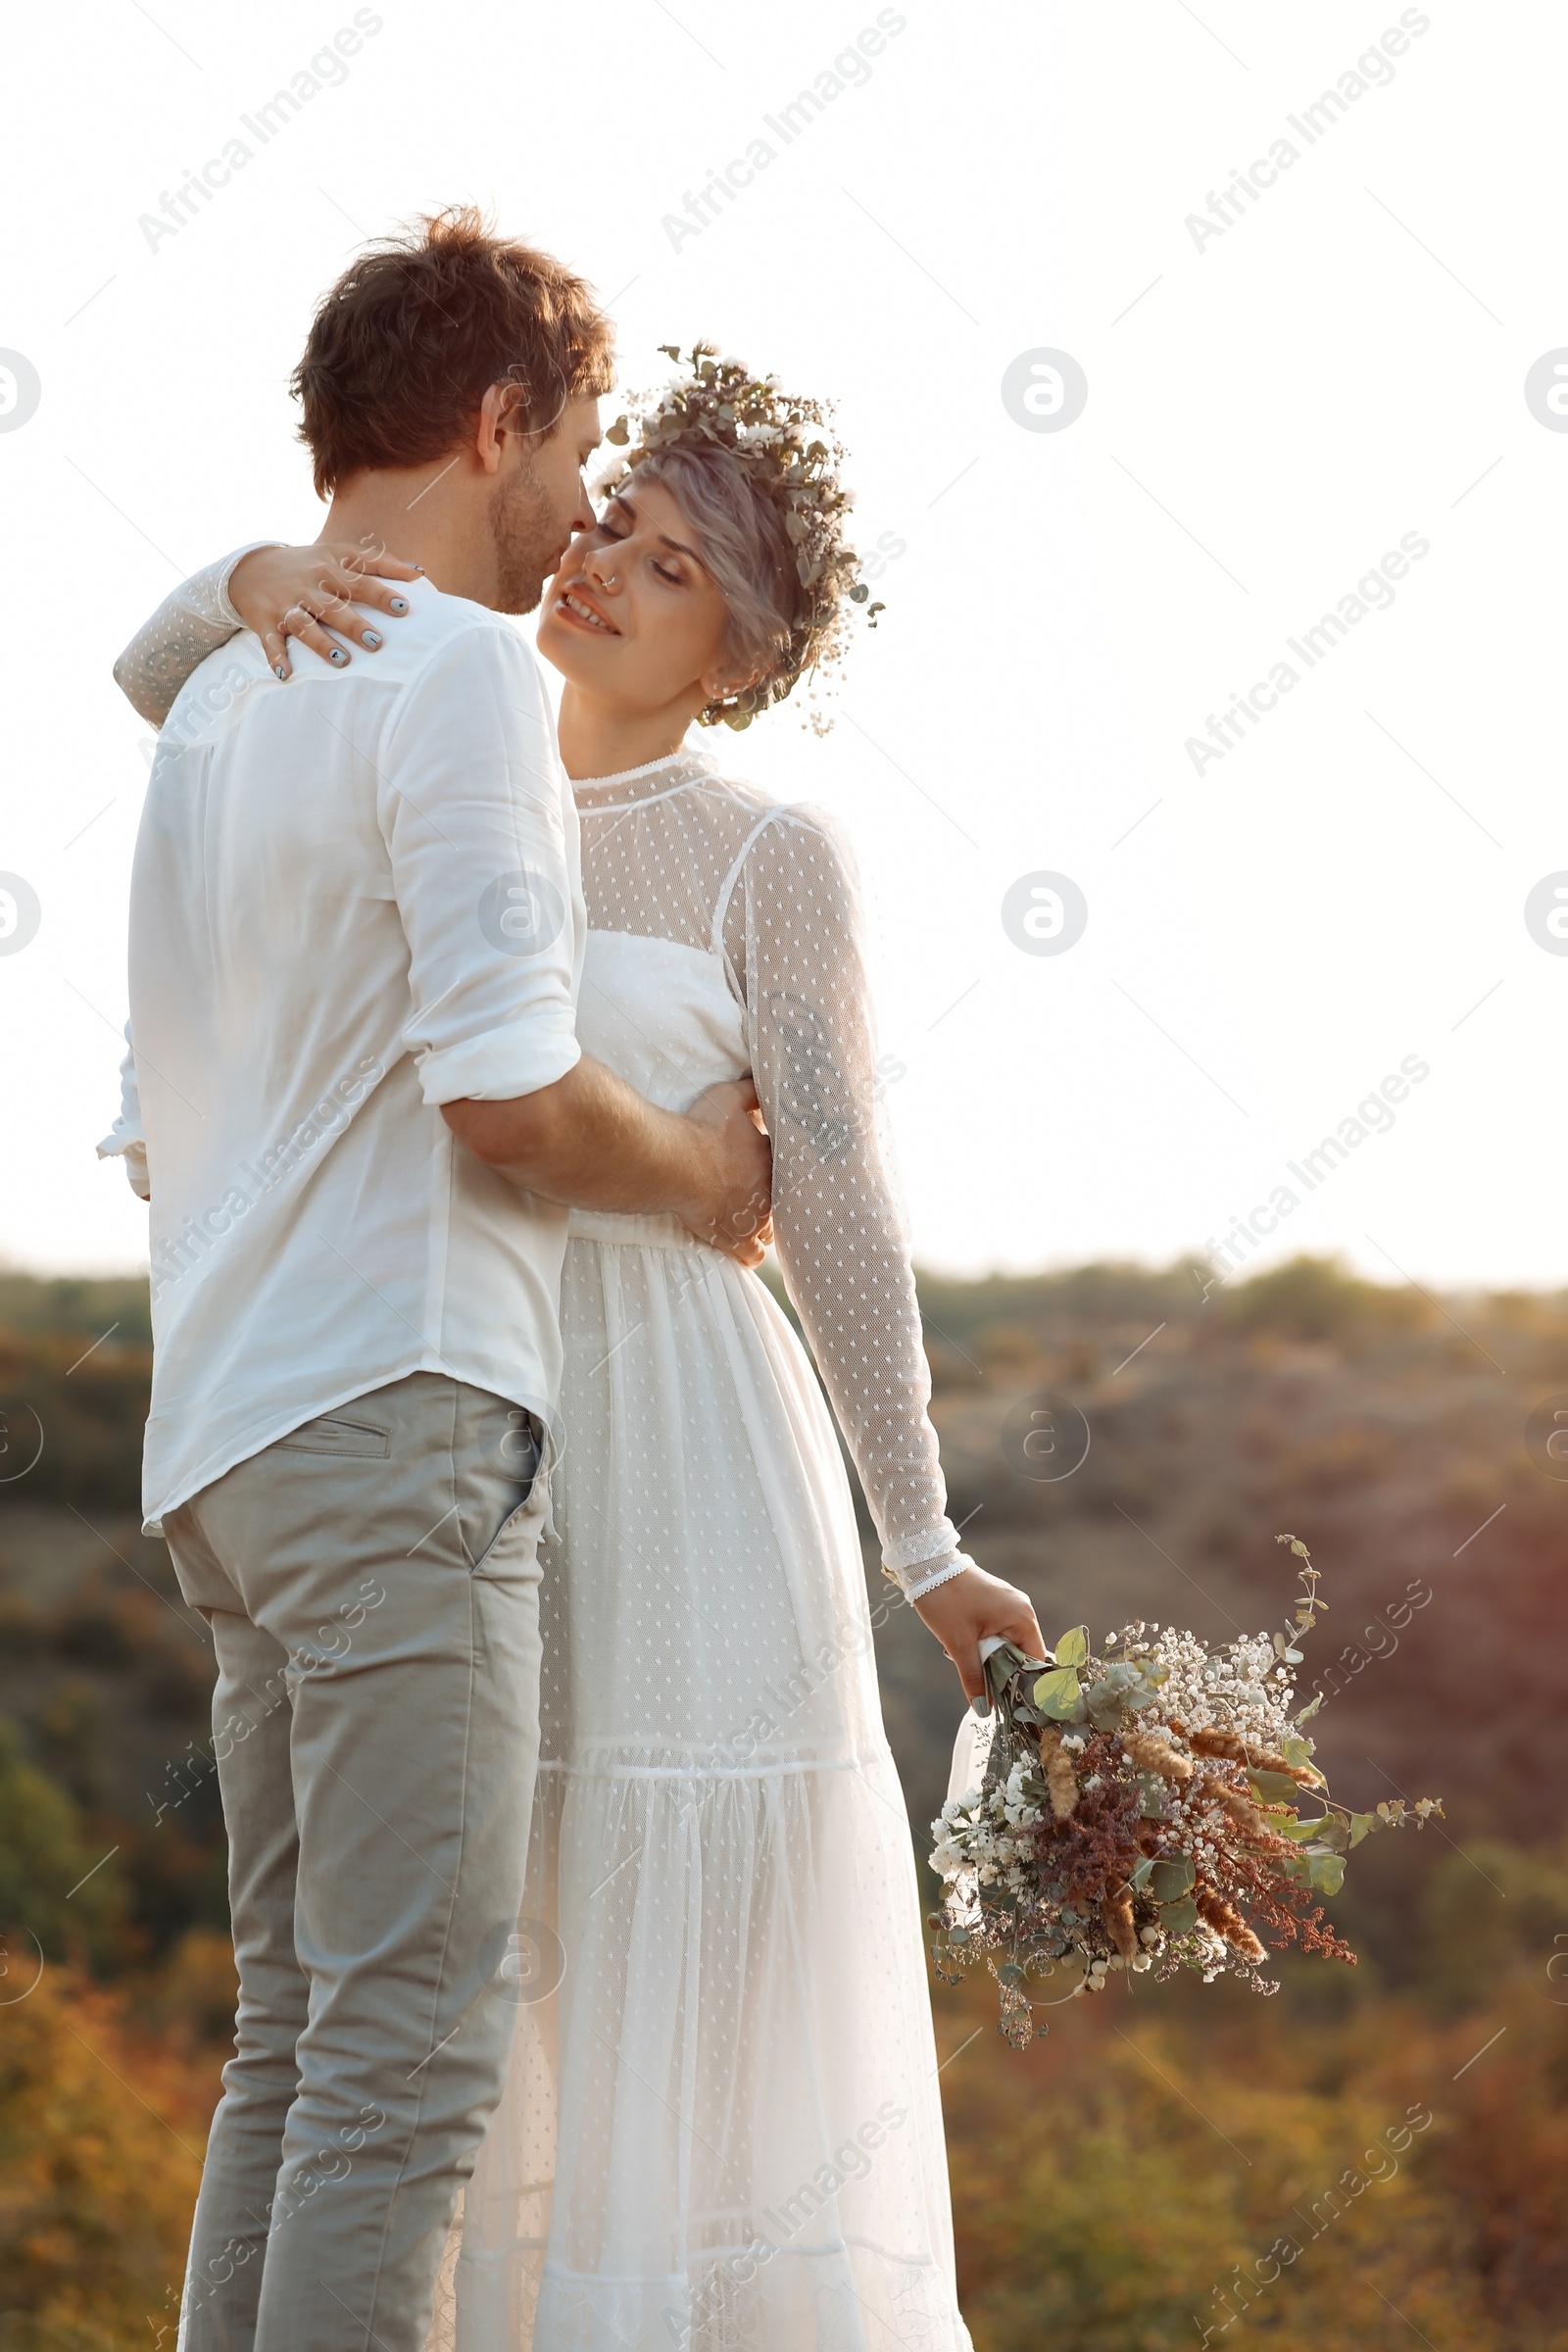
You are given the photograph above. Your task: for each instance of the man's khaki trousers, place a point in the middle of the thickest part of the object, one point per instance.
(373, 1588)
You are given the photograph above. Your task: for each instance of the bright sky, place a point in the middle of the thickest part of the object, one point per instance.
(1327, 369)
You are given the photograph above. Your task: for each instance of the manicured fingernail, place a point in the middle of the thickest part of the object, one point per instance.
(419, 567)
(371, 639)
(399, 603)
(338, 656)
(279, 673)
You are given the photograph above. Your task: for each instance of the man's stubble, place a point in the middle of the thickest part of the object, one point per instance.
(527, 540)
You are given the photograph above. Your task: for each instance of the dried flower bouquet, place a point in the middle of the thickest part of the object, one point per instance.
(1151, 1808)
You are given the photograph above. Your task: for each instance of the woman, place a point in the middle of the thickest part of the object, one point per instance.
(723, 2127)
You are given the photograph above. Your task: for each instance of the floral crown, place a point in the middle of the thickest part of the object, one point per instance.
(792, 457)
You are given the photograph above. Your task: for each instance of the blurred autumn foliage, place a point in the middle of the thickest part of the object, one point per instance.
(103, 2119)
(1150, 2170)
(1166, 2166)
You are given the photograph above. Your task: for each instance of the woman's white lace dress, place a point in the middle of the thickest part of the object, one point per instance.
(722, 2130)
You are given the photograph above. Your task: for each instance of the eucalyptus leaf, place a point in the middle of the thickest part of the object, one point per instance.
(1057, 1694)
(1073, 1648)
(1274, 1788)
(1179, 1919)
(1140, 1877)
(1307, 1713)
(1328, 1873)
(1301, 1830)
(1361, 1826)
(1169, 1881)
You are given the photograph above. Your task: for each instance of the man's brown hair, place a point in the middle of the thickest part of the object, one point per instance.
(405, 347)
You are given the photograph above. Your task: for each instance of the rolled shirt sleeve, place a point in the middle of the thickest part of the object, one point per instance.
(127, 1140)
(472, 812)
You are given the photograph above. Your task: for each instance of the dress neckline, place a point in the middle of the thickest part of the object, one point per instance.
(672, 773)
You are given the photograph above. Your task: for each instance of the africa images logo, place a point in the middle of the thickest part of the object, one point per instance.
(1045, 390)
(20, 913)
(20, 390)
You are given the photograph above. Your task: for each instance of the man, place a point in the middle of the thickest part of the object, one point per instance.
(356, 931)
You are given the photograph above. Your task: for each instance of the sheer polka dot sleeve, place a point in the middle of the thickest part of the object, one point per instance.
(190, 624)
(794, 938)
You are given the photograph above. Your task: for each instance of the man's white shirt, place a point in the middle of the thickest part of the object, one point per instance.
(356, 897)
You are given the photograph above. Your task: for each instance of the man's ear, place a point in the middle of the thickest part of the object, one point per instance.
(498, 422)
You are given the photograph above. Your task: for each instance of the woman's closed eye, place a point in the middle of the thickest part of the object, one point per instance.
(671, 574)
(609, 532)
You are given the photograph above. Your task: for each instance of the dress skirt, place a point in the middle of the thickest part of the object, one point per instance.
(721, 2131)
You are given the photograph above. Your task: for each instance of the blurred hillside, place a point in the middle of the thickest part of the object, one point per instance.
(1386, 1429)
(1109, 2185)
